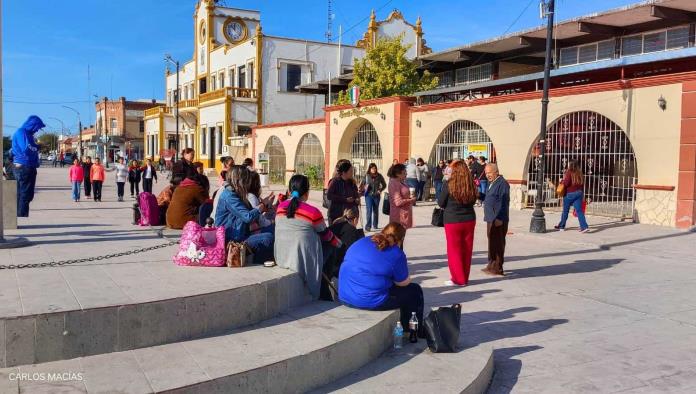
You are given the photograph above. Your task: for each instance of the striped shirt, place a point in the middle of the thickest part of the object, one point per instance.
(312, 216)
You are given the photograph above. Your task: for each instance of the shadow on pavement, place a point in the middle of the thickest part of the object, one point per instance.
(66, 225)
(577, 267)
(507, 369)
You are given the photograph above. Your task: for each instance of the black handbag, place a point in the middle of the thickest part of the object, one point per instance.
(385, 204)
(438, 219)
(442, 328)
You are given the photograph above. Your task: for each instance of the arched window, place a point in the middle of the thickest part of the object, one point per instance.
(276, 160)
(365, 149)
(460, 139)
(309, 160)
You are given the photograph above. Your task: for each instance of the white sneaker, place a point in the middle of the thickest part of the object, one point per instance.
(450, 283)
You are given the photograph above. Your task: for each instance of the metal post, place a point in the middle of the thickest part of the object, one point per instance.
(176, 112)
(538, 222)
(106, 136)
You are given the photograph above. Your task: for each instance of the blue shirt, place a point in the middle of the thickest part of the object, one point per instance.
(367, 274)
(234, 216)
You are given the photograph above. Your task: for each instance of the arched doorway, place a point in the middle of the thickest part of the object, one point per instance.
(605, 155)
(365, 148)
(276, 160)
(460, 139)
(309, 160)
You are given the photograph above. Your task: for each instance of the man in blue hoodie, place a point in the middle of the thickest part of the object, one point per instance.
(26, 159)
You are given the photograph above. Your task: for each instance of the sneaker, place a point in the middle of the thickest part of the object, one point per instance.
(559, 228)
(586, 230)
(269, 264)
(450, 283)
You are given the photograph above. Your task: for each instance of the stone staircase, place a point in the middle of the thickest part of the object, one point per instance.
(254, 331)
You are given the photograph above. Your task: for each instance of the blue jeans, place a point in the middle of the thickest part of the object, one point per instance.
(26, 182)
(76, 190)
(483, 186)
(419, 190)
(438, 189)
(575, 199)
(372, 214)
(412, 183)
(262, 245)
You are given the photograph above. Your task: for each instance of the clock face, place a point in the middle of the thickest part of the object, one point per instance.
(235, 31)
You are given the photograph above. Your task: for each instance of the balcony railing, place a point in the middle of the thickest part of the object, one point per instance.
(156, 111)
(191, 103)
(232, 92)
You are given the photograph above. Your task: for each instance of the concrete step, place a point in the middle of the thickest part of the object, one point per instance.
(414, 369)
(86, 310)
(303, 349)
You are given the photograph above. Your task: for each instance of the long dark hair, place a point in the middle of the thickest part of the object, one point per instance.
(239, 179)
(370, 167)
(255, 184)
(575, 172)
(298, 187)
(461, 183)
(395, 170)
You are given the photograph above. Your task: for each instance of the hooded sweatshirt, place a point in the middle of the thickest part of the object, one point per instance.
(24, 147)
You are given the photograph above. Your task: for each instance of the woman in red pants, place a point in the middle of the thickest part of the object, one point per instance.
(457, 198)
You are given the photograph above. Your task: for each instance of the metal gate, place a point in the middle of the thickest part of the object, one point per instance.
(276, 160)
(461, 139)
(309, 160)
(605, 155)
(365, 149)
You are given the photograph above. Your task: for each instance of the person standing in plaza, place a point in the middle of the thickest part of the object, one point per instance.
(482, 181)
(374, 184)
(438, 178)
(134, 175)
(497, 216)
(149, 172)
(342, 192)
(401, 201)
(412, 176)
(573, 184)
(423, 174)
(86, 182)
(121, 177)
(76, 176)
(97, 176)
(457, 198)
(25, 151)
(61, 159)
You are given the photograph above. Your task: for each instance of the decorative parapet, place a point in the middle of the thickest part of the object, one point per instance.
(156, 111)
(229, 91)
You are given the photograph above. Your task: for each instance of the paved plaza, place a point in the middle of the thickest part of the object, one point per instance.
(609, 311)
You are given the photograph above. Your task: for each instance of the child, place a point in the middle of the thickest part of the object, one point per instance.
(97, 176)
(76, 175)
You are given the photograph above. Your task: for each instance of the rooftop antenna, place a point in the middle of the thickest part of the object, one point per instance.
(329, 22)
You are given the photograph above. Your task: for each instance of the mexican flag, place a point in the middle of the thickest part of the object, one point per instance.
(354, 94)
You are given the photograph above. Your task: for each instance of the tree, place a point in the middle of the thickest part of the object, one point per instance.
(386, 71)
(48, 142)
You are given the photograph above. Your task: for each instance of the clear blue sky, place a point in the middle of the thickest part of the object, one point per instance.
(47, 45)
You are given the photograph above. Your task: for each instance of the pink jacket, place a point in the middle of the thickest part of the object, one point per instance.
(97, 173)
(400, 203)
(76, 173)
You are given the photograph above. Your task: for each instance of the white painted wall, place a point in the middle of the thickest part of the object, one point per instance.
(397, 27)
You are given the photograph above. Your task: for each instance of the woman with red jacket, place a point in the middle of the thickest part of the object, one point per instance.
(573, 183)
(76, 176)
(97, 176)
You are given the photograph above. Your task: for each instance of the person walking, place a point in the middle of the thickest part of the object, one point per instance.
(423, 175)
(482, 181)
(496, 214)
(573, 183)
(412, 176)
(342, 192)
(121, 177)
(76, 176)
(97, 176)
(149, 172)
(457, 198)
(25, 151)
(373, 185)
(87, 183)
(134, 175)
(61, 159)
(438, 178)
(401, 201)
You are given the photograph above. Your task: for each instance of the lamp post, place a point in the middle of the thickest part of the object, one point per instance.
(168, 59)
(79, 126)
(538, 222)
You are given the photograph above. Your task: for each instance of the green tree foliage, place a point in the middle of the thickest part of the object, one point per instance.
(48, 142)
(386, 71)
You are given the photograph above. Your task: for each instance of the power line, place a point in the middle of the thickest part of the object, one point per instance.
(46, 102)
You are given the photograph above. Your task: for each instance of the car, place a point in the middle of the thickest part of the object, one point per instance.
(68, 158)
(51, 157)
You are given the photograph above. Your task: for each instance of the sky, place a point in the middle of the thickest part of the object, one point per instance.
(48, 45)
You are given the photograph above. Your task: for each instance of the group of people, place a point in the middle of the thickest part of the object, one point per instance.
(90, 175)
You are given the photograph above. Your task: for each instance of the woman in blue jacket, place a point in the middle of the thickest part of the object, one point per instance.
(234, 212)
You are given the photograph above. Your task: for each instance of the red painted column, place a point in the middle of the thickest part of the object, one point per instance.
(402, 130)
(327, 147)
(686, 189)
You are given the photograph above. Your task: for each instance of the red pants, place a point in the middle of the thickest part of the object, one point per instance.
(460, 246)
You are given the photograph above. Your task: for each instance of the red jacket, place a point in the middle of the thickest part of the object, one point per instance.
(76, 173)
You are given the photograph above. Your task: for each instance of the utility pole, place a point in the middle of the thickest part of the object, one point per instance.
(538, 222)
(106, 136)
(79, 126)
(168, 58)
(329, 23)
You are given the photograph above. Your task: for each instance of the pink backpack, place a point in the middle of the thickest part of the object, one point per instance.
(149, 210)
(201, 246)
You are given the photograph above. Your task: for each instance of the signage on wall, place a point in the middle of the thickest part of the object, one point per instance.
(354, 94)
(263, 157)
(358, 112)
(478, 150)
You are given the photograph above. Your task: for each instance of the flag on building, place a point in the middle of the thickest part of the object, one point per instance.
(354, 94)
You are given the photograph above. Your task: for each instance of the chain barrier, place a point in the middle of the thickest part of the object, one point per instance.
(87, 259)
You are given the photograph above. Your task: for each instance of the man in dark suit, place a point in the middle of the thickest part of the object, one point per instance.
(497, 216)
(149, 173)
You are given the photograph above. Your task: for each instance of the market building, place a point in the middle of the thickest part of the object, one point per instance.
(240, 77)
(623, 103)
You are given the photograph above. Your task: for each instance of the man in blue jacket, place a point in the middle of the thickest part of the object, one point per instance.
(26, 159)
(496, 214)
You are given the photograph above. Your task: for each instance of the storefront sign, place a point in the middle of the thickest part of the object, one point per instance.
(358, 112)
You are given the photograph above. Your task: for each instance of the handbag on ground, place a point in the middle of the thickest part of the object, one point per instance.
(442, 327)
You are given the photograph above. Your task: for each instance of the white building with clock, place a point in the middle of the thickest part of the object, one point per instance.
(240, 77)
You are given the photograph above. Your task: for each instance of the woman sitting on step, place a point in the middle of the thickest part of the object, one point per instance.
(185, 202)
(374, 276)
(235, 213)
(303, 242)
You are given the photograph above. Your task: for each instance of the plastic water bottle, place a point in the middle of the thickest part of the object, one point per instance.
(413, 328)
(398, 336)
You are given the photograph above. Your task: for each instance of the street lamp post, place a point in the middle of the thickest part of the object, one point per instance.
(168, 58)
(538, 222)
(79, 126)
